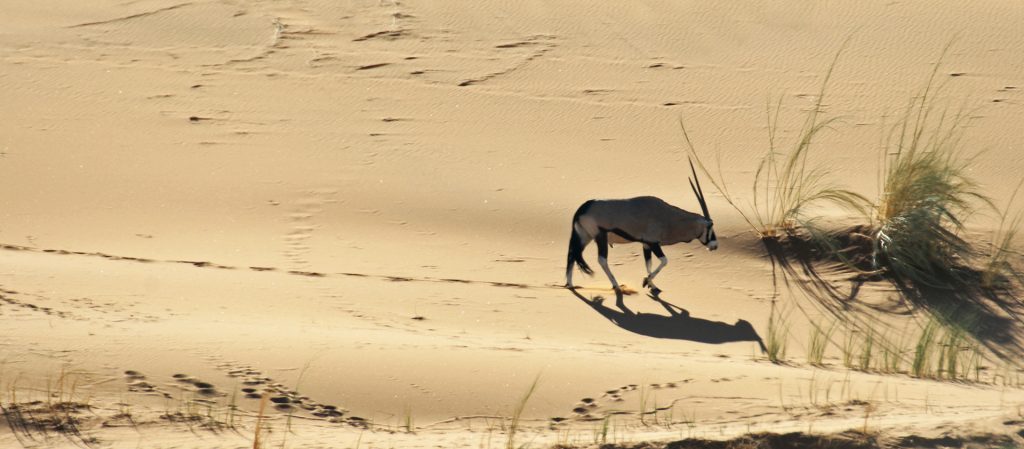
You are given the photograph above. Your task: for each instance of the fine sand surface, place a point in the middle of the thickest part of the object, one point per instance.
(367, 204)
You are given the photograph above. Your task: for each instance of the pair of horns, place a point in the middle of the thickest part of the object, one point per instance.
(697, 191)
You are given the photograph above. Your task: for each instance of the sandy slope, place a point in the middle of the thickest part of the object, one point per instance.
(374, 197)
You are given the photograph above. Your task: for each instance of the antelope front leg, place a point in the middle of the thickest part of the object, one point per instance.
(656, 249)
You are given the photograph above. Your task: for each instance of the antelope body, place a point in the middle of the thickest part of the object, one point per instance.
(647, 220)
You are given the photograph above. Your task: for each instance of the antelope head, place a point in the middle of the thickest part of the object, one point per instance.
(707, 235)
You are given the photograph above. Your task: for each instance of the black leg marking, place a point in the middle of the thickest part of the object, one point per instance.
(656, 248)
(647, 263)
(602, 244)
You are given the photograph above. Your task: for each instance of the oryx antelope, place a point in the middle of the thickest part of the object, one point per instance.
(645, 219)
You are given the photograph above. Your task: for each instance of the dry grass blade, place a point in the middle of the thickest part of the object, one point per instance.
(257, 440)
(778, 335)
(518, 413)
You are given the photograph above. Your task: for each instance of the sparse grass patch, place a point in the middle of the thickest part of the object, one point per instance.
(891, 359)
(61, 412)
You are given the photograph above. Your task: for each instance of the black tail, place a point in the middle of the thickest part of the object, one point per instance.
(576, 243)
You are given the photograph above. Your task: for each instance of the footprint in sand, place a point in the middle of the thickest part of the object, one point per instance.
(282, 403)
(141, 386)
(283, 398)
(137, 384)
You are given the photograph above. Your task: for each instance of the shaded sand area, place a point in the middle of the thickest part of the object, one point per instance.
(359, 212)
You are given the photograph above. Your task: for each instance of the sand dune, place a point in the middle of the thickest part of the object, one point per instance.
(359, 210)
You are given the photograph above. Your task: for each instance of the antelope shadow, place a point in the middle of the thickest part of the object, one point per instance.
(677, 325)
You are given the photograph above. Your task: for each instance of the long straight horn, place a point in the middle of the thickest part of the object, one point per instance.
(697, 191)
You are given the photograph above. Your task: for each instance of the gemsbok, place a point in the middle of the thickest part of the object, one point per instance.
(644, 219)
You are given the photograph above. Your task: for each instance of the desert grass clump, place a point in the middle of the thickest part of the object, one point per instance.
(787, 187)
(926, 193)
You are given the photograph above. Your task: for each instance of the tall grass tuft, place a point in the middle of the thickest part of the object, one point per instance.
(950, 362)
(866, 350)
(778, 334)
(921, 366)
(786, 186)
(819, 340)
(926, 193)
(849, 344)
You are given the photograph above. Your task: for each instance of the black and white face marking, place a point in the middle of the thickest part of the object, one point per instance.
(708, 237)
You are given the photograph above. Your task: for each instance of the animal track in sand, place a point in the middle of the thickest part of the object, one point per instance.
(186, 382)
(542, 43)
(302, 221)
(33, 308)
(283, 398)
(389, 35)
(136, 383)
(295, 251)
(590, 408)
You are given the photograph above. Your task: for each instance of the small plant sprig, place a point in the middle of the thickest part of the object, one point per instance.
(517, 414)
(778, 334)
(819, 340)
(921, 365)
